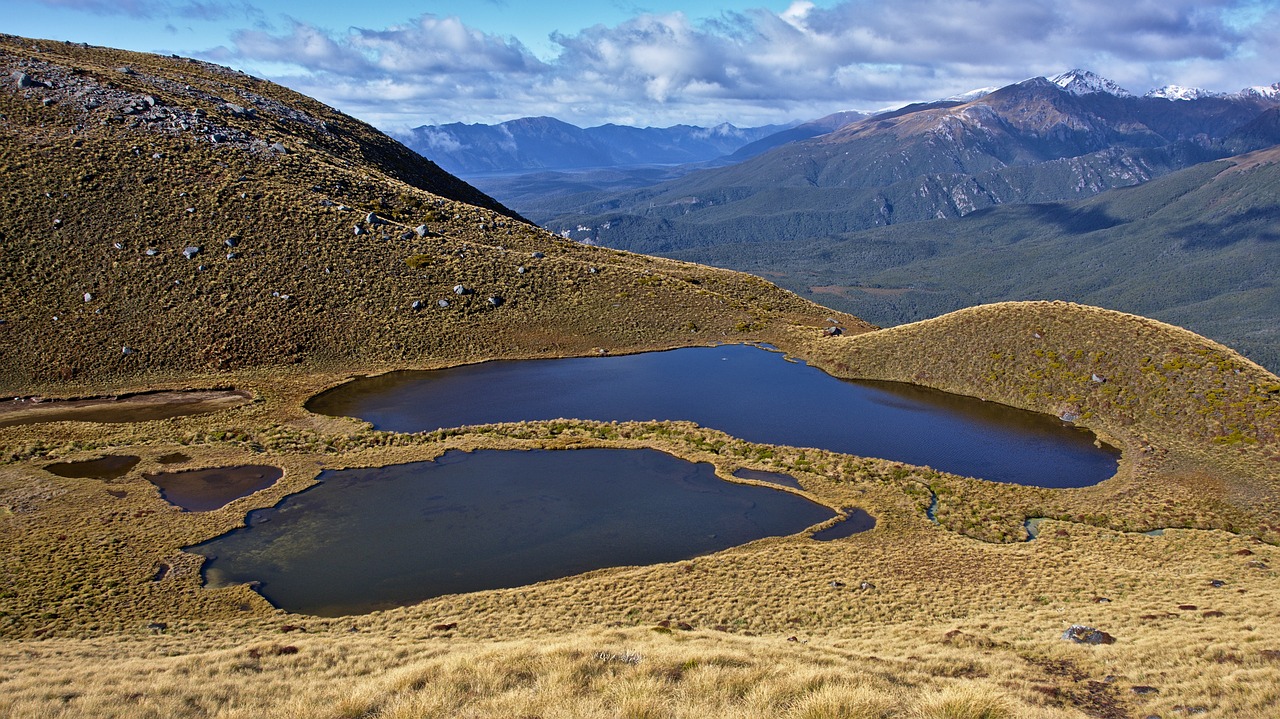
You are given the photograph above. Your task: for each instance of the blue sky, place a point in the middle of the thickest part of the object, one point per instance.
(657, 62)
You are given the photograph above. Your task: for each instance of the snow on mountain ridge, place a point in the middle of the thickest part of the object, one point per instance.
(1083, 82)
(1178, 92)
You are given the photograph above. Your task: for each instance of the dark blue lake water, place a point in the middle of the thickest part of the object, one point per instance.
(748, 392)
(367, 539)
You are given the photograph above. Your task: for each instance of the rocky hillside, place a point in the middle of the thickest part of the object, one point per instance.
(166, 216)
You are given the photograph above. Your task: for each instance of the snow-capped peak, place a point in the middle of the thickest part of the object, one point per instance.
(1266, 92)
(971, 95)
(1178, 92)
(1083, 82)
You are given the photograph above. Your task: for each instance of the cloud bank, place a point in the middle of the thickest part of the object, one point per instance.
(762, 66)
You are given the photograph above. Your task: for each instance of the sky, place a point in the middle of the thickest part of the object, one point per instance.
(402, 63)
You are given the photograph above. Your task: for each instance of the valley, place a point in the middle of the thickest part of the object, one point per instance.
(174, 225)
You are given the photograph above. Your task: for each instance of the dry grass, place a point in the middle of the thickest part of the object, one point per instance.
(964, 620)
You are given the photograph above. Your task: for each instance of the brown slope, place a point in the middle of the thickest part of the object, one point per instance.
(115, 163)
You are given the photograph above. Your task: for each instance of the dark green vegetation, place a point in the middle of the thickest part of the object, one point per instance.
(1199, 248)
(866, 216)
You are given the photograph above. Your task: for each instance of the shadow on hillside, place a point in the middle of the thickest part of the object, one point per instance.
(1256, 223)
(1072, 220)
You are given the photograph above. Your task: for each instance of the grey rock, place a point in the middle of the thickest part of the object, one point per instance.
(866, 586)
(443, 304)
(190, 252)
(157, 155)
(521, 270)
(459, 290)
(417, 305)
(1068, 416)
(1098, 379)
(48, 101)
(592, 270)
(1081, 634)
(117, 245)
(422, 230)
(232, 241)
(233, 255)
(150, 100)
(151, 252)
(832, 331)
(217, 137)
(88, 297)
(358, 230)
(495, 301)
(126, 350)
(537, 255)
(25, 80)
(126, 70)
(280, 148)
(372, 219)
(239, 110)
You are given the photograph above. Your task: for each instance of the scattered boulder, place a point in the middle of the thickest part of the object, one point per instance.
(460, 290)
(866, 586)
(592, 270)
(421, 230)
(1081, 634)
(1097, 378)
(495, 301)
(372, 219)
(835, 584)
(358, 230)
(1142, 689)
(232, 241)
(88, 297)
(832, 331)
(521, 270)
(279, 148)
(239, 110)
(1217, 583)
(25, 80)
(217, 137)
(443, 304)
(537, 255)
(126, 351)
(191, 252)
(151, 252)
(417, 305)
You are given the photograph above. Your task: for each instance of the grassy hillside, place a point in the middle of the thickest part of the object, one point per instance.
(1198, 248)
(115, 163)
(943, 611)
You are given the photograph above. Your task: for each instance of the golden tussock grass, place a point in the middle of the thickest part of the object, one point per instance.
(102, 614)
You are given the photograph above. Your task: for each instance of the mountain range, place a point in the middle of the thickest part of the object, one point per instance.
(1038, 143)
(545, 143)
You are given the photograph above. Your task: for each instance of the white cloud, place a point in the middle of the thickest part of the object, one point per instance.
(761, 66)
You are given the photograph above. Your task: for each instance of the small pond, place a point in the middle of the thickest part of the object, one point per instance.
(133, 408)
(112, 466)
(856, 521)
(367, 539)
(748, 392)
(203, 490)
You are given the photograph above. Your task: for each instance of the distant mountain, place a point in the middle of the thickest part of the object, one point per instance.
(1039, 140)
(545, 143)
(804, 131)
(1199, 248)
(1083, 82)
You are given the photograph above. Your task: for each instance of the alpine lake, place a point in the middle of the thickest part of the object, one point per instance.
(367, 539)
